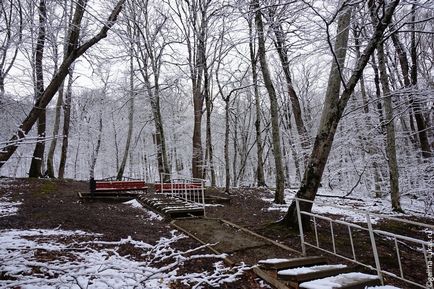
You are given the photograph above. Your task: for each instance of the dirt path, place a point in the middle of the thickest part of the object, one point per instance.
(240, 244)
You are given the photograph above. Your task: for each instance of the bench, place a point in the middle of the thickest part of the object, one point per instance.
(113, 190)
(114, 186)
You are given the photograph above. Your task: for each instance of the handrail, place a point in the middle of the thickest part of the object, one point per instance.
(372, 233)
(190, 194)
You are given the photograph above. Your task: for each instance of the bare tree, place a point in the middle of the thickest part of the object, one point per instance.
(260, 176)
(150, 27)
(277, 152)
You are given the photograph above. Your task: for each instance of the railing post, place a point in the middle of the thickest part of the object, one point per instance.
(161, 183)
(300, 227)
(202, 182)
(374, 248)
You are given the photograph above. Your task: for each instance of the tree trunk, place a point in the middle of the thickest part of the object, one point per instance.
(66, 124)
(332, 113)
(389, 119)
(38, 154)
(209, 146)
(96, 152)
(277, 152)
(51, 150)
(226, 148)
(260, 176)
(130, 122)
(73, 52)
(390, 130)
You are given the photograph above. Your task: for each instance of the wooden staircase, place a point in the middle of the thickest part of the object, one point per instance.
(312, 272)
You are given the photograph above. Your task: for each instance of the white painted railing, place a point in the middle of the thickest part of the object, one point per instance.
(186, 188)
(423, 247)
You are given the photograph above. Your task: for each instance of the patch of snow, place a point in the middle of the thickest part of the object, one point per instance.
(7, 207)
(337, 281)
(42, 259)
(351, 210)
(312, 269)
(272, 261)
(151, 215)
(133, 203)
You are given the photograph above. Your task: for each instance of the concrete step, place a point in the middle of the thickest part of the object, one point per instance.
(353, 280)
(302, 274)
(279, 264)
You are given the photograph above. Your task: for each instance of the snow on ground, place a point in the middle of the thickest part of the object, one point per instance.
(75, 259)
(151, 215)
(7, 207)
(345, 207)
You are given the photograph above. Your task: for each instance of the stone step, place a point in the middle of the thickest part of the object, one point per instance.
(353, 280)
(279, 264)
(302, 274)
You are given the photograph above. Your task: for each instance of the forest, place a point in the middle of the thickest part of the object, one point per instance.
(285, 94)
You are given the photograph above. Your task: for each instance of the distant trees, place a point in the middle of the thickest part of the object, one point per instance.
(267, 76)
(335, 103)
(73, 51)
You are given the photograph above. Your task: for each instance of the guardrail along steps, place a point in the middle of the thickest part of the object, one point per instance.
(313, 272)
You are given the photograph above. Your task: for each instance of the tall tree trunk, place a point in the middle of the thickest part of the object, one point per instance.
(389, 119)
(66, 124)
(226, 148)
(209, 147)
(332, 113)
(209, 107)
(390, 130)
(73, 52)
(277, 151)
(38, 154)
(260, 176)
(130, 122)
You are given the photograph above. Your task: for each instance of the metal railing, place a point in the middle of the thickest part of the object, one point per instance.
(418, 245)
(186, 188)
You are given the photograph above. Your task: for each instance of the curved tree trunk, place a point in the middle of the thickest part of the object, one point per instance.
(277, 151)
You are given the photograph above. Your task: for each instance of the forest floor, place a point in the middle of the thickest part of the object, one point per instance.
(97, 240)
